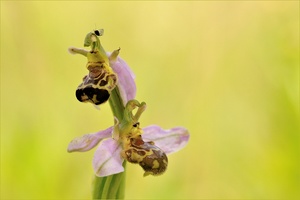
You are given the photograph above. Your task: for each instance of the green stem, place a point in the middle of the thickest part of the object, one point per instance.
(116, 104)
(112, 187)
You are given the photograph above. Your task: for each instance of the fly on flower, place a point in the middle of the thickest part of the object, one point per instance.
(126, 140)
(99, 32)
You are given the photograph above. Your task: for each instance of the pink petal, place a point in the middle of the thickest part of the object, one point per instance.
(89, 141)
(107, 159)
(126, 78)
(169, 141)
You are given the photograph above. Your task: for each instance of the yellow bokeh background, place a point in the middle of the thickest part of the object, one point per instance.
(226, 70)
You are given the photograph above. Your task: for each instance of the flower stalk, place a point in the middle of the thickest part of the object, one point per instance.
(113, 186)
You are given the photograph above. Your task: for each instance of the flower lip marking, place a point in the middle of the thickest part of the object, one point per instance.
(96, 86)
(150, 157)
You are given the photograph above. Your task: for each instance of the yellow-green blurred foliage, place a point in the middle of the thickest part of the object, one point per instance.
(226, 70)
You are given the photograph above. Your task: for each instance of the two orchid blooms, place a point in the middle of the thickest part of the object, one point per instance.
(125, 140)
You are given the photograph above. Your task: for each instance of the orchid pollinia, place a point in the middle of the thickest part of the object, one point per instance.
(110, 79)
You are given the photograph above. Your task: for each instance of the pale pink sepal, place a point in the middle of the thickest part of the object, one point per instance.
(107, 159)
(126, 78)
(170, 140)
(88, 141)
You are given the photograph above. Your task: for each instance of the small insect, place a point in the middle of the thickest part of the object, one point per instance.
(150, 157)
(101, 80)
(99, 32)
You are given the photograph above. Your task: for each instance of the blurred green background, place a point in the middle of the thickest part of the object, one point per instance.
(226, 70)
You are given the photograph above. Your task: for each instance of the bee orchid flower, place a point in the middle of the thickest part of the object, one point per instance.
(126, 140)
